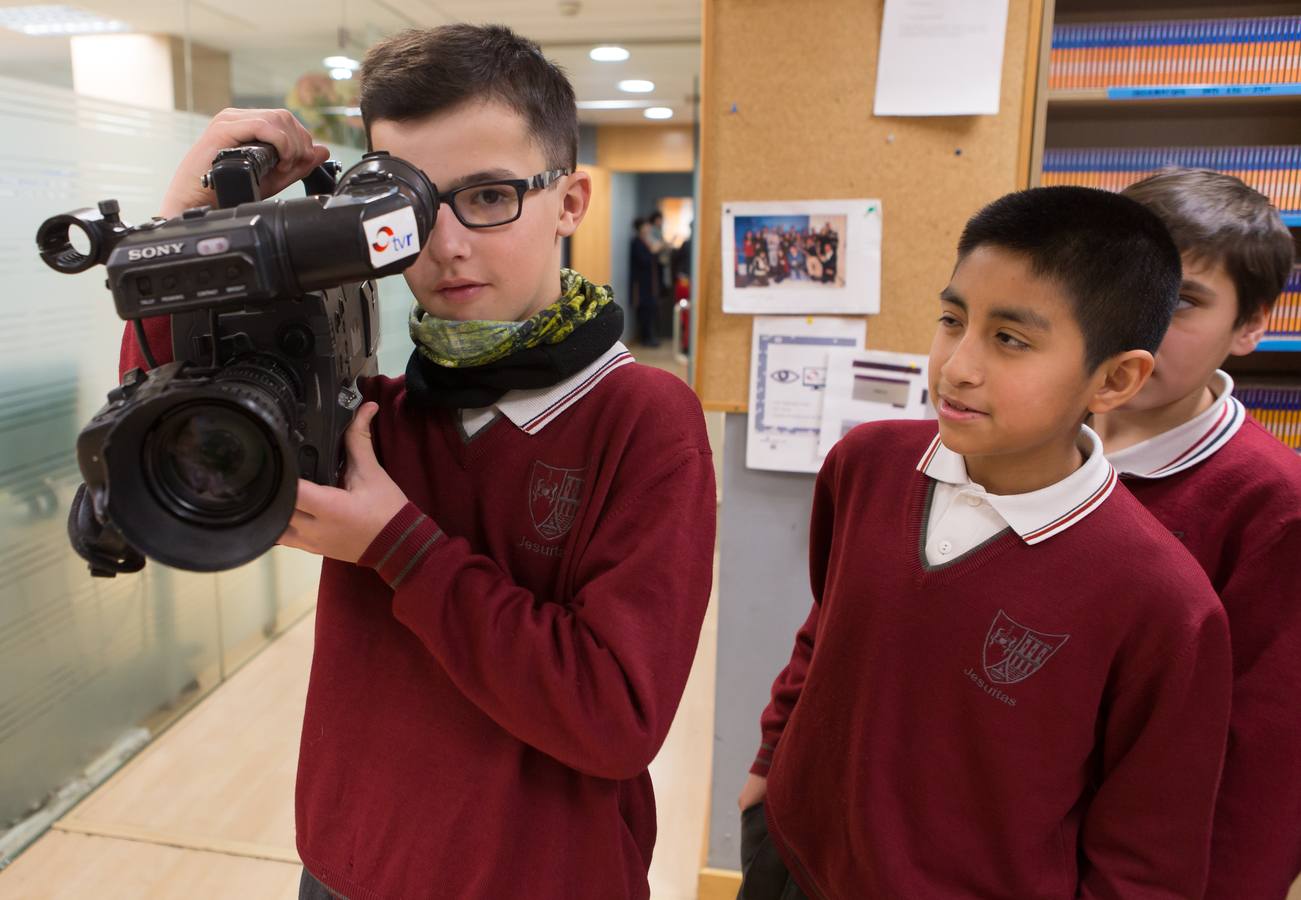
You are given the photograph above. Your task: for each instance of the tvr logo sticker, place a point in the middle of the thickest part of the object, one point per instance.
(392, 236)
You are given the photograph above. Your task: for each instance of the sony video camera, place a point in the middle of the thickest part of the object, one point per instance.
(273, 317)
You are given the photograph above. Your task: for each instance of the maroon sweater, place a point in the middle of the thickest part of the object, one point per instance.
(493, 678)
(1239, 513)
(1024, 722)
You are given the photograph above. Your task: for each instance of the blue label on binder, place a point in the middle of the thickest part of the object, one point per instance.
(1168, 92)
(1284, 345)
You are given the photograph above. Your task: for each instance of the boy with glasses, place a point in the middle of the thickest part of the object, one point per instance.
(518, 564)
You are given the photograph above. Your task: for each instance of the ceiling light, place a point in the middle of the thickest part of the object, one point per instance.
(341, 74)
(39, 21)
(658, 112)
(341, 62)
(637, 86)
(615, 104)
(608, 53)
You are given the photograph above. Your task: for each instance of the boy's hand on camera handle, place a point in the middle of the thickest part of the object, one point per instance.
(342, 522)
(755, 789)
(298, 151)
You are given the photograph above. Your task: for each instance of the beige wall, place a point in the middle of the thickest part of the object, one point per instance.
(149, 70)
(589, 248)
(645, 148)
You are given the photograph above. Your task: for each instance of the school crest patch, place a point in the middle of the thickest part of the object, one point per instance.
(553, 499)
(1013, 652)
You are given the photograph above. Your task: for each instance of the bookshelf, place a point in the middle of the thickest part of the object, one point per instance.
(1127, 86)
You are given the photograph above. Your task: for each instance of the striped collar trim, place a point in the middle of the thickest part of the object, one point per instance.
(533, 410)
(1186, 445)
(1038, 515)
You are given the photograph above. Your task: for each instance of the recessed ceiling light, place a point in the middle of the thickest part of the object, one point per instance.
(615, 104)
(608, 53)
(341, 74)
(658, 112)
(341, 62)
(39, 21)
(637, 86)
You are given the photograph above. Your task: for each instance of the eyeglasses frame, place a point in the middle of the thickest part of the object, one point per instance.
(522, 186)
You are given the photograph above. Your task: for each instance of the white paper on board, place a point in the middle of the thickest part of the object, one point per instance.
(802, 257)
(940, 57)
(788, 360)
(870, 386)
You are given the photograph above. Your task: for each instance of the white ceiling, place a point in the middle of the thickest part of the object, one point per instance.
(271, 44)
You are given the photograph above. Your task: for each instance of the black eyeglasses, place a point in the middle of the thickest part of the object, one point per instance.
(496, 202)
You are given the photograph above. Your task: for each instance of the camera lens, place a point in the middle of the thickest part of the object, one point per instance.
(212, 463)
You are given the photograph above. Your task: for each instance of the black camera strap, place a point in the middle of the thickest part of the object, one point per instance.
(432, 385)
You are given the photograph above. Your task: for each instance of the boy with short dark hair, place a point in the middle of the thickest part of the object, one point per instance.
(1012, 680)
(519, 561)
(1232, 494)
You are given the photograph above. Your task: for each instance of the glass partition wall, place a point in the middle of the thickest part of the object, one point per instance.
(97, 105)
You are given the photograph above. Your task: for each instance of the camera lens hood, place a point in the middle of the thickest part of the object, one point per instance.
(203, 474)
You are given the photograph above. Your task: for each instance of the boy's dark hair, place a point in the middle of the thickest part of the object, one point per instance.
(421, 71)
(1113, 258)
(1216, 218)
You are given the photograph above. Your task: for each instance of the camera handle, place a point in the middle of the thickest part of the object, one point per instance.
(237, 172)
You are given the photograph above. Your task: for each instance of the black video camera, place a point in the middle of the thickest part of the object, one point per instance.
(195, 463)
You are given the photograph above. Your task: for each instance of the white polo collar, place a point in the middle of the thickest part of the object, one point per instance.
(1186, 445)
(1038, 515)
(533, 410)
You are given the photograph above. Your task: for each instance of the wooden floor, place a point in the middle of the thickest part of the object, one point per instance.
(206, 810)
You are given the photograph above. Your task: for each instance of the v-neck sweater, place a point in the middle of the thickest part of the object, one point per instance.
(493, 678)
(1238, 512)
(1027, 721)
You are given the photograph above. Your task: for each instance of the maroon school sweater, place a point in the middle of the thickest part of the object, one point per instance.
(1040, 721)
(493, 678)
(1239, 513)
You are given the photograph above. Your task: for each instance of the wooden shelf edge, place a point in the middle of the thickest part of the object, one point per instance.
(718, 884)
(1102, 98)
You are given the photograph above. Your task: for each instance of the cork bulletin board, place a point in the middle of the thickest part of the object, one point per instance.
(786, 114)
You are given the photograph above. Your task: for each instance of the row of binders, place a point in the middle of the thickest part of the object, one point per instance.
(1285, 322)
(1276, 408)
(1265, 50)
(1274, 171)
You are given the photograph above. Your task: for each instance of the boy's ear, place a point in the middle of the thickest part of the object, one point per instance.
(574, 202)
(1247, 335)
(1119, 379)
